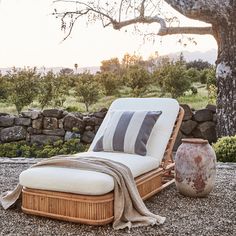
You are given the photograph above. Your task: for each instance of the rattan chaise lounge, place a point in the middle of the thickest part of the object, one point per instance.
(86, 196)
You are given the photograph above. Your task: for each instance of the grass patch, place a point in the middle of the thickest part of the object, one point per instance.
(196, 101)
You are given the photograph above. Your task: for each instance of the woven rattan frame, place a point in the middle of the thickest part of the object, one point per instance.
(98, 210)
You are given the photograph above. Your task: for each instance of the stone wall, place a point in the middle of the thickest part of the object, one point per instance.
(50, 125)
(198, 124)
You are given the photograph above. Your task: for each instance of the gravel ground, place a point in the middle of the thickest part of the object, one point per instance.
(214, 215)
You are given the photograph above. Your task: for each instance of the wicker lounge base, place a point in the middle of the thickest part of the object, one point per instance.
(93, 210)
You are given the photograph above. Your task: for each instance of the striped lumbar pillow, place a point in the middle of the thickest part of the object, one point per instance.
(128, 131)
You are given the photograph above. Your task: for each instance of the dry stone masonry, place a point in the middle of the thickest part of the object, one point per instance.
(51, 125)
(198, 124)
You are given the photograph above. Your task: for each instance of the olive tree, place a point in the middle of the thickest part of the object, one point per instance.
(3, 87)
(109, 82)
(22, 87)
(220, 16)
(87, 90)
(110, 65)
(46, 89)
(61, 89)
(138, 79)
(173, 78)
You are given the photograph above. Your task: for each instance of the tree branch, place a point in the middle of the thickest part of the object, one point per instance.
(120, 9)
(185, 30)
(164, 30)
(186, 7)
(148, 20)
(88, 8)
(142, 8)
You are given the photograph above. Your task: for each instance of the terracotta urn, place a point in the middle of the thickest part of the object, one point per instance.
(195, 168)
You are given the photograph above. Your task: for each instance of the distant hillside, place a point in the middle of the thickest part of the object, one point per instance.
(92, 69)
(209, 56)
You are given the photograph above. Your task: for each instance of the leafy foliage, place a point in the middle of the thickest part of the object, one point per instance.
(60, 89)
(23, 149)
(87, 89)
(22, 87)
(138, 79)
(211, 77)
(111, 65)
(131, 60)
(211, 85)
(67, 71)
(3, 88)
(212, 94)
(225, 149)
(46, 89)
(198, 64)
(194, 90)
(109, 82)
(193, 74)
(132, 76)
(173, 79)
(72, 109)
(53, 89)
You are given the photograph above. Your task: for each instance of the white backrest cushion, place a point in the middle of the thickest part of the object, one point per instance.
(162, 130)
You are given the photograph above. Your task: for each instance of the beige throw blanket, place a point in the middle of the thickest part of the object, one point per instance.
(129, 209)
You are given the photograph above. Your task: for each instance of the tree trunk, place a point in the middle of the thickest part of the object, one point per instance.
(225, 34)
(87, 106)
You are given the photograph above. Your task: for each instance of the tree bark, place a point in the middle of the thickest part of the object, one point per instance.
(221, 14)
(225, 34)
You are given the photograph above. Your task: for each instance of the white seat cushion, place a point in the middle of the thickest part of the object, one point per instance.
(83, 181)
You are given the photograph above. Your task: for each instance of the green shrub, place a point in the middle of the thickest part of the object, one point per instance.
(22, 149)
(225, 149)
(72, 109)
(212, 94)
(211, 77)
(193, 74)
(198, 64)
(8, 149)
(193, 90)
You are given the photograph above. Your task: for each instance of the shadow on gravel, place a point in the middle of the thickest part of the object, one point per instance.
(214, 215)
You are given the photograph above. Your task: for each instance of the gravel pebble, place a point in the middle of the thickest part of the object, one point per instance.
(214, 215)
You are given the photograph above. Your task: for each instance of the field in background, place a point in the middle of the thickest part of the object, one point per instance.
(196, 101)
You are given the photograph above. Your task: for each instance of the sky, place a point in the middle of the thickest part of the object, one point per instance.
(31, 36)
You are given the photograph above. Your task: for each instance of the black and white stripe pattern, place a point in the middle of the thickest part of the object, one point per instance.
(128, 131)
